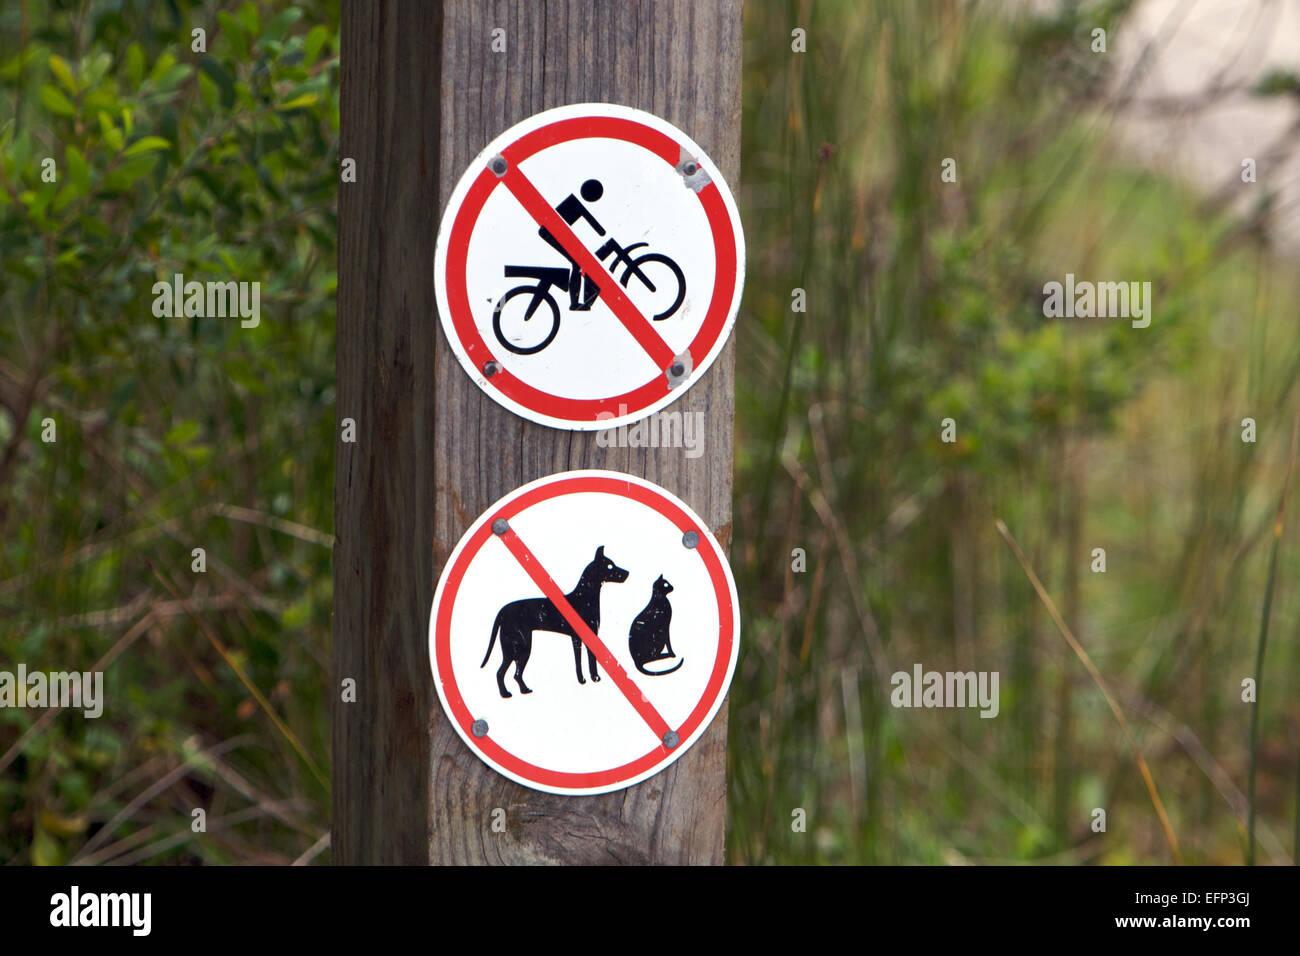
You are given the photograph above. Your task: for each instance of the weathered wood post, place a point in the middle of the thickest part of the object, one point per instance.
(425, 86)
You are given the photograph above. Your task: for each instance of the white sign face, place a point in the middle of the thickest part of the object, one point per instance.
(589, 266)
(584, 632)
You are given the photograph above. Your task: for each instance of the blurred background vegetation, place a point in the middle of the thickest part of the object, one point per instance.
(171, 433)
(923, 303)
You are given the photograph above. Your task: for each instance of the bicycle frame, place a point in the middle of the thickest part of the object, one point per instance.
(621, 255)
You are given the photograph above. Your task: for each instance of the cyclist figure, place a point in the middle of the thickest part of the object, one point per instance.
(571, 210)
(658, 275)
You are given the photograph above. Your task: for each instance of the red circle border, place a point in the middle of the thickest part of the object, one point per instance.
(478, 352)
(442, 634)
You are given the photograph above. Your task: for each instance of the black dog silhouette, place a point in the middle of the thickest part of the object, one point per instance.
(519, 619)
(648, 638)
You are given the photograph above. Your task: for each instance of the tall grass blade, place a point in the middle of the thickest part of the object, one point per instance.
(1101, 685)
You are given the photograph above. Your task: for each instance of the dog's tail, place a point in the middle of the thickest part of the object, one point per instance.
(658, 673)
(496, 626)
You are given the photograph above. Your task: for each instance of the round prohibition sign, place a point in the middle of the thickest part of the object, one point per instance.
(589, 266)
(653, 621)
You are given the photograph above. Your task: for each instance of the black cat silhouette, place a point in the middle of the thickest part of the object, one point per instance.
(518, 619)
(648, 638)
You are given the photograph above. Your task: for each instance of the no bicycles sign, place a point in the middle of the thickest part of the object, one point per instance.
(584, 632)
(589, 266)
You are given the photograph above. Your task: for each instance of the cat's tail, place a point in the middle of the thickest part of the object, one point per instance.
(496, 626)
(658, 673)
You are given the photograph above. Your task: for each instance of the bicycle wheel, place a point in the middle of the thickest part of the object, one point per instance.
(516, 336)
(664, 279)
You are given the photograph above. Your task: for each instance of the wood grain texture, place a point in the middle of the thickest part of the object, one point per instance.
(432, 466)
(383, 493)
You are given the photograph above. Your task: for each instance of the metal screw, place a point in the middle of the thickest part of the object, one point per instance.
(500, 526)
(693, 175)
(479, 728)
(498, 166)
(690, 539)
(490, 368)
(679, 370)
(671, 739)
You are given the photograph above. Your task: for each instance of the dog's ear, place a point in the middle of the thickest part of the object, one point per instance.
(600, 552)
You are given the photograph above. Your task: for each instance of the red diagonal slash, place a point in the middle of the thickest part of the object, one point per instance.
(530, 564)
(541, 211)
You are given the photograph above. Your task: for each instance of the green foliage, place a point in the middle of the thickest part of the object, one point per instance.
(925, 303)
(1278, 83)
(172, 433)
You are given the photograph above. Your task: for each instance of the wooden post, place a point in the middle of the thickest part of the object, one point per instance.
(422, 93)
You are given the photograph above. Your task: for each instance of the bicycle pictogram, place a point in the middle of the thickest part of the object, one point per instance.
(664, 284)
